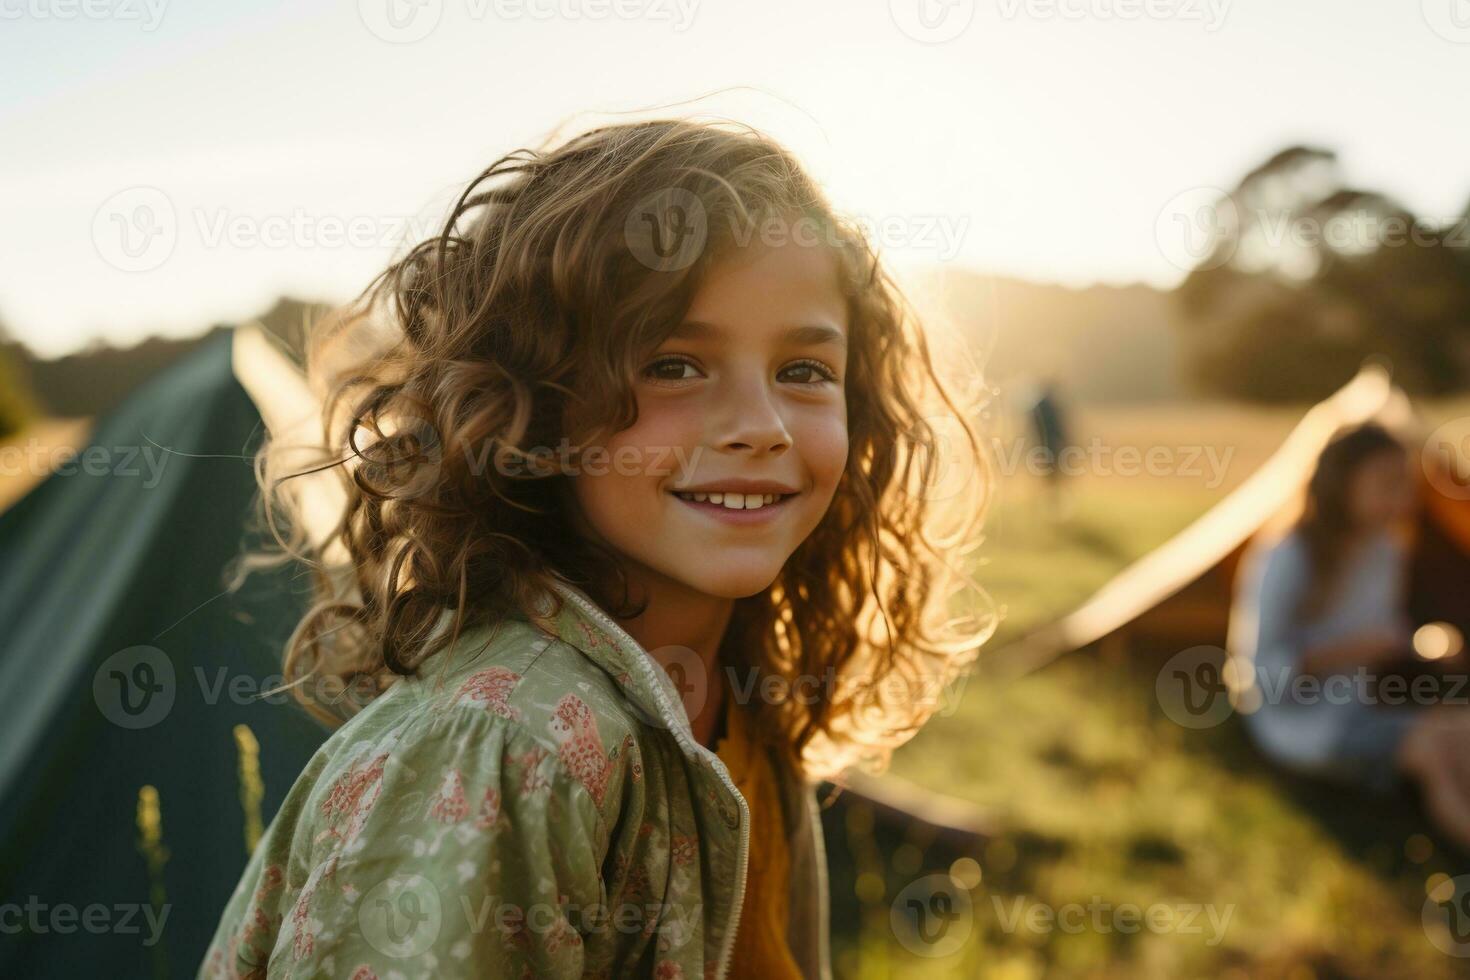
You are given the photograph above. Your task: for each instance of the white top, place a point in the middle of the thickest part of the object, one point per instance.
(1303, 728)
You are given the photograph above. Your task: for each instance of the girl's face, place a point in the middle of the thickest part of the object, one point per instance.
(741, 435)
(1381, 491)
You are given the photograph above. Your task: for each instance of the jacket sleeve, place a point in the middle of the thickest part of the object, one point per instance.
(475, 855)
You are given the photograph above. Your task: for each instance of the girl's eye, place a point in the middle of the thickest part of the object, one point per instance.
(808, 372)
(667, 369)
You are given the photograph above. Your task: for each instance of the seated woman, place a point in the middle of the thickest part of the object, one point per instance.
(1319, 614)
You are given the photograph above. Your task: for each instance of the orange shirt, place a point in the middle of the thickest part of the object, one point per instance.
(760, 941)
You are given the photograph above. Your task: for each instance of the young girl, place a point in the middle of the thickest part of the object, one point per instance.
(1326, 603)
(651, 469)
(1325, 600)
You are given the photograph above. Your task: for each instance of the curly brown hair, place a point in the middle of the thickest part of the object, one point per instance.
(526, 318)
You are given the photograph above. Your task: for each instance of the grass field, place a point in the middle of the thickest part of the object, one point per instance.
(1100, 801)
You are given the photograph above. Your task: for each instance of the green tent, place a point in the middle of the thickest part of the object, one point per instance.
(128, 722)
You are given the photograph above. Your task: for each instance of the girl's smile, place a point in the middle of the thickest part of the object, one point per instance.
(738, 502)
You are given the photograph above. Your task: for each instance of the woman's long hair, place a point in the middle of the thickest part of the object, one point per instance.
(1326, 524)
(523, 323)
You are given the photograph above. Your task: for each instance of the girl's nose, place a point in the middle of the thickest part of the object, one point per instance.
(752, 422)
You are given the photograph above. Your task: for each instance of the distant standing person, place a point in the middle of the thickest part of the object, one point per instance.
(1050, 432)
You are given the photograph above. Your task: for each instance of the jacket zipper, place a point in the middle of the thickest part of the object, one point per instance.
(824, 949)
(644, 665)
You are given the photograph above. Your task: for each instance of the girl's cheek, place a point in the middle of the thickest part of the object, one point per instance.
(825, 443)
(661, 428)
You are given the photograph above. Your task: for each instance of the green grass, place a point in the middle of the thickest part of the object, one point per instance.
(1034, 570)
(1100, 800)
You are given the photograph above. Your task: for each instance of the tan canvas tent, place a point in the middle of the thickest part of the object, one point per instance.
(1178, 596)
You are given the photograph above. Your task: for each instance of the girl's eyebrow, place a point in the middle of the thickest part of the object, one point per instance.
(809, 335)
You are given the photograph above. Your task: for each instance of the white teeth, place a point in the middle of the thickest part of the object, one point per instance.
(734, 501)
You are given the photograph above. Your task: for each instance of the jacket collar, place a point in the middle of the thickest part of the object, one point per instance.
(650, 691)
(646, 686)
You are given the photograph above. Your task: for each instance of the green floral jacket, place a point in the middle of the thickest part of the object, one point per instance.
(533, 804)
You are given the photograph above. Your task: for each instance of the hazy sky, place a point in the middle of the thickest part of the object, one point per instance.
(166, 165)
